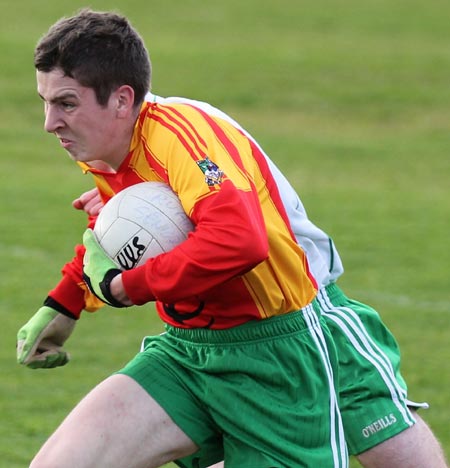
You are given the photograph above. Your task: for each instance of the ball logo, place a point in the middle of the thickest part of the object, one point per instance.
(130, 255)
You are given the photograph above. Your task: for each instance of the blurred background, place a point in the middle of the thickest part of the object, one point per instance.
(350, 99)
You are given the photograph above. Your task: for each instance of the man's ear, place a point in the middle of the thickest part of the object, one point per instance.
(124, 100)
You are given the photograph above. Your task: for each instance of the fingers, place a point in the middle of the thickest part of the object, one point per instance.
(48, 360)
(93, 207)
(26, 346)
(79, 202)
(41, 358)
(89, 201)
(22, 352)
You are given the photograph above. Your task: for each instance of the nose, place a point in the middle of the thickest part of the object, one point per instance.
(53, 119)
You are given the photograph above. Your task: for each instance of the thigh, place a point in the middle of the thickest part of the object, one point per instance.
(117, 424)
(166, 368)
(415, 447)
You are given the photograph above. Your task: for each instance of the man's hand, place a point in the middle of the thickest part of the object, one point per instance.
(90, 202)
(40, 340)
(99, 270)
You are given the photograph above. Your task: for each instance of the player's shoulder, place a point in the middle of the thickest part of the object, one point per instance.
(188, 103)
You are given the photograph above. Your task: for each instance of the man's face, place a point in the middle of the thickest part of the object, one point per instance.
(85, 129)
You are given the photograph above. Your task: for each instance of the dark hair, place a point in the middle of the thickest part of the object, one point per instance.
(101, 50)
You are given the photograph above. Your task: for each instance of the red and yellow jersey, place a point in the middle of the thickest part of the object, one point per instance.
(242, 261)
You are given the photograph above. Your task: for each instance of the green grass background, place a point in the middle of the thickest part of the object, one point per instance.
(351, 99)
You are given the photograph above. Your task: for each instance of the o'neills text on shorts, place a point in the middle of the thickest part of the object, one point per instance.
(379, 425)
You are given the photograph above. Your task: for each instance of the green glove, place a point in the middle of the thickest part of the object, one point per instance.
(99, 270)
(40, 340)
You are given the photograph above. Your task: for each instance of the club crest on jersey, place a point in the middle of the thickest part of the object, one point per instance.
(213, 175)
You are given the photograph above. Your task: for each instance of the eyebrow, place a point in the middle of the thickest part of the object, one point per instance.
(61, 97)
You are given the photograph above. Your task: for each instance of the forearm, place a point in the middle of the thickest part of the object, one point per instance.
(118, 291)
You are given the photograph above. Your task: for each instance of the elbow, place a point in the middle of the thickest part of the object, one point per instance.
(262, 251)
(256, 248)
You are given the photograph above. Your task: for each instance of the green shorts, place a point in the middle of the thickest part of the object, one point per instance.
(244, 395)
(373, 394)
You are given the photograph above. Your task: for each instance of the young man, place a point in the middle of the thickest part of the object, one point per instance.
(245, 371)
(381, 426)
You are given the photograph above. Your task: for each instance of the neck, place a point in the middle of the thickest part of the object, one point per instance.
(101, 166)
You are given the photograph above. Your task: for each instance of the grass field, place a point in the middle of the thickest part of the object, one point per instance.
(351, 99)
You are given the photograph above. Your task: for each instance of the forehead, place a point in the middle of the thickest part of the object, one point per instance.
(54, 84)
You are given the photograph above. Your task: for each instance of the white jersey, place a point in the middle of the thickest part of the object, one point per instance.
(323, 257)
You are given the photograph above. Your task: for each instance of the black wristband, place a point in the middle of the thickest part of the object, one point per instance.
(105, 287)
(50, 302)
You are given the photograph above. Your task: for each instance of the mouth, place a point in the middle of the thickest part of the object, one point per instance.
(65, 143)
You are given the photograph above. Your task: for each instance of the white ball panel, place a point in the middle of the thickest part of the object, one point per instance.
(141, 222)
(117, 235)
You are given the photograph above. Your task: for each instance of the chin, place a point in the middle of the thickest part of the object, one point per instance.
(73, 157)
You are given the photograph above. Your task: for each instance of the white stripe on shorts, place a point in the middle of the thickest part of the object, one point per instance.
(338, 445)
